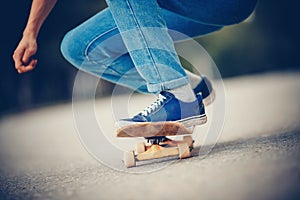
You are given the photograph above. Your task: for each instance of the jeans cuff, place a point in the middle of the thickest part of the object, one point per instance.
(168, 85)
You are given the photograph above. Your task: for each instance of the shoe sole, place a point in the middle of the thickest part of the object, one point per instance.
(187, 122)
(193, 121)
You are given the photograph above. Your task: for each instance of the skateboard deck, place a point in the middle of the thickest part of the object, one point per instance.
(153, 129)
(157, 145)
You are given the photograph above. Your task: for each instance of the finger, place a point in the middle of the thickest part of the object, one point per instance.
(25, 69)
(28, 54)
(29, 67)
(17, 57)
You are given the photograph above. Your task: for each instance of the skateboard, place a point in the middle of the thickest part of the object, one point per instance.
(157, 144)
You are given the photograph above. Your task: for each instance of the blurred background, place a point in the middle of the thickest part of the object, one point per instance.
(268, 41)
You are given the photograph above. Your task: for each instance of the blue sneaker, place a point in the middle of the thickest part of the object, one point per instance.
(168, 108)
(206, 90)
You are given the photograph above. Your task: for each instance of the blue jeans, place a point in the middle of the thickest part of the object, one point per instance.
(131, 42)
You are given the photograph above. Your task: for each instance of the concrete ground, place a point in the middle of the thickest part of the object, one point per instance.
(257, 155)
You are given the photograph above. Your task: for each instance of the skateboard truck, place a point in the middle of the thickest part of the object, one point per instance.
(159, 147)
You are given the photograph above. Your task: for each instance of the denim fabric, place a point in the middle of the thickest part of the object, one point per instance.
(131, 42)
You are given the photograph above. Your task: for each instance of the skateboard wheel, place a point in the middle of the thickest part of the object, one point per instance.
(129, 159)
(139, 147)
(184, 150)
(189, 140)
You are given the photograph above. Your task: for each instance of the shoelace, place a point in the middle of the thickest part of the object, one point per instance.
(154, 105)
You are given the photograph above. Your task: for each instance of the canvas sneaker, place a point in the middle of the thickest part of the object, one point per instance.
(206, 89)
(168, 108)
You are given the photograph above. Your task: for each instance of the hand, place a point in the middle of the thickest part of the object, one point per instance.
(23, 54)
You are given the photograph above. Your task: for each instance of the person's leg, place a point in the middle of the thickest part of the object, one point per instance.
(211, 12)
(84, 46)
(96, 47)
(151, 48)
(210, 15)
(83, 54)
(104, 57)
(144, 32)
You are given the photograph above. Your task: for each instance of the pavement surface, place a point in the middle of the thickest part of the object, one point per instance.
(257, 155)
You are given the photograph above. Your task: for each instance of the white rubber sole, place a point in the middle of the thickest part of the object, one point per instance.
(187, 122)
(193, 121)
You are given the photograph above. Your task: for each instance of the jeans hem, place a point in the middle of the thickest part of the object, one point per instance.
(169, 85)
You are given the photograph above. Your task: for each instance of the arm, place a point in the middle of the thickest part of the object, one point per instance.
(28, 46)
